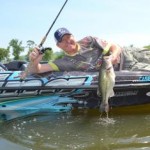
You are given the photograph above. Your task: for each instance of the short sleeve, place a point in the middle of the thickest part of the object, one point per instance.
(64, 64)
(103, 44)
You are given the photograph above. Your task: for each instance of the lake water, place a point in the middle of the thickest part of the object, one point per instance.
(128, 128)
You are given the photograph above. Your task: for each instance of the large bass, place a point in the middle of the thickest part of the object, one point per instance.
(106, 83)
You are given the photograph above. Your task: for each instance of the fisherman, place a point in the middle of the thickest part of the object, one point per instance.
(82, 55)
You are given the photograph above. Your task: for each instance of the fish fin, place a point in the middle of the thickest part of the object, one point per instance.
(112, 93)
(98, 93)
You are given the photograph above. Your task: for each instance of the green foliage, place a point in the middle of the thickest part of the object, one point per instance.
(48, 55)
(147, 47)
(17, 48)
(4, 54)
(30, 46)
(58, 55)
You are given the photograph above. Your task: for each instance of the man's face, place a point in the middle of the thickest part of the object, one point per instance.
(68, 44)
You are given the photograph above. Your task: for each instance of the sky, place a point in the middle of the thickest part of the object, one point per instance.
(125, 22)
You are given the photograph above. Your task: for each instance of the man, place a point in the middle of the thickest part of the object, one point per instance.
(83, 55)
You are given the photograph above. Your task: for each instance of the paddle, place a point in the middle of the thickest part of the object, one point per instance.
(41, 49)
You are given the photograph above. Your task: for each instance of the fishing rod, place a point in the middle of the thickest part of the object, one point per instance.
(45, 37)
(40, 46)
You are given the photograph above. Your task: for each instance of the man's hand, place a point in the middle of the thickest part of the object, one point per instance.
(115, 59)
(35, 57)
(22, 75)
(115, 52)
(34, 54)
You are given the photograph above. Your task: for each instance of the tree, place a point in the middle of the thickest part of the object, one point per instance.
(17, 48)
(4, 54)
(131, 45)
(58, 55)
(30, 45)
(48, 55)
(147, 47)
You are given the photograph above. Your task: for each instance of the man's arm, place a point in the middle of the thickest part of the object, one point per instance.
(35, 66)
(116, 51)
(109, 46)
(41, 68)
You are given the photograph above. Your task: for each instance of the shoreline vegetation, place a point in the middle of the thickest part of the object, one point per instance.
(16, 51)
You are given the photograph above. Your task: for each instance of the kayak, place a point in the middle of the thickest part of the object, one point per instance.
(64, 91)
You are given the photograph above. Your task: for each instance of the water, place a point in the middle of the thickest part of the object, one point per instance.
(127, 128)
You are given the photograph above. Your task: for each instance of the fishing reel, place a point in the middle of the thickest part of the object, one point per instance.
(42, 50)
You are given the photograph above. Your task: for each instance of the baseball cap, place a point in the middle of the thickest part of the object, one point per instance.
(59, 33)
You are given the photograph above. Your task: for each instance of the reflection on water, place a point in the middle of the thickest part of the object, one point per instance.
(127, 128)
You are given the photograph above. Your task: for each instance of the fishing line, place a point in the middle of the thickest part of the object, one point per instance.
(41, 49)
